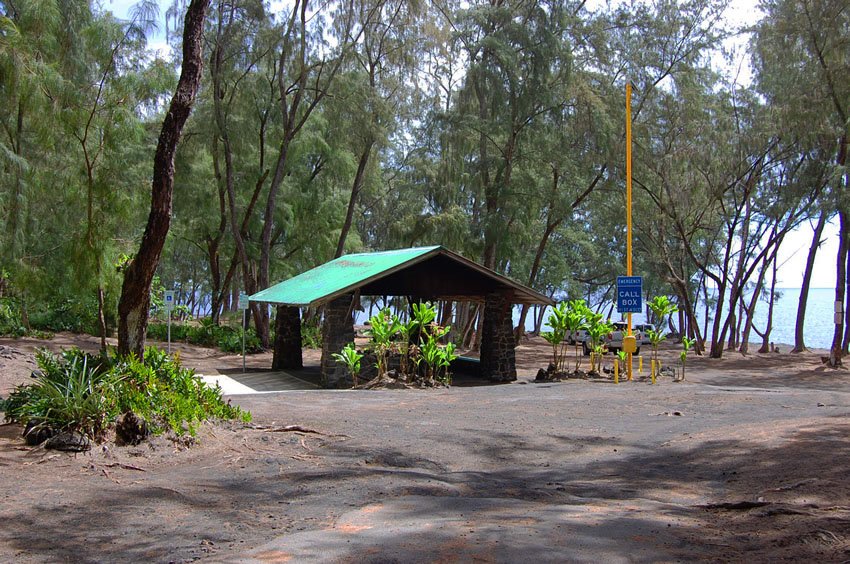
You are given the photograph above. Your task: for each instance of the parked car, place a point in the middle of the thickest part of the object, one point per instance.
(613, 341)
(644, 329)
(576, 337)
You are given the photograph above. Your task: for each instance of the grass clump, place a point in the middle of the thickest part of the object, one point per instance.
(84, 393)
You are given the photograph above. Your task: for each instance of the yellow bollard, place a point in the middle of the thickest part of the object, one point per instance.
(616, 371)
(640, 364)
(652, 370)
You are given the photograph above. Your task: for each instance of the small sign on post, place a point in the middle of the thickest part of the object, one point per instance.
(243, 305)
(169, 307)
(629, 294)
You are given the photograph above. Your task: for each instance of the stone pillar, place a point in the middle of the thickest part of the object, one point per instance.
(287, 340)
(498, 358)
(337, 331)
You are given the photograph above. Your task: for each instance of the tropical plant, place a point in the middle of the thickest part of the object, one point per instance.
(576, 322)
(683, 356)
(383, 328)
(661, 308)
(566, 321)
(557, 322)
(416, 341)
(437, 358)
(71, 392)
(76, 391)
(311, 333)
(350, 358)
(596, 329)
(622, 357)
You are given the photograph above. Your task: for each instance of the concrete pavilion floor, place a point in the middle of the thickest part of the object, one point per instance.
(236, 382)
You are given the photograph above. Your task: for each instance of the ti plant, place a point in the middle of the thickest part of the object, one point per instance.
(417, 341)
(351, 359)
(436, 357)
(596, 329)
(575, 323)
(661, 308)
(556, 337)
(384, 327)
(567, 320)
(686, 346)
(622, 357)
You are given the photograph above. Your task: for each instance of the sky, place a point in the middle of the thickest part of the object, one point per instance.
(794, 251)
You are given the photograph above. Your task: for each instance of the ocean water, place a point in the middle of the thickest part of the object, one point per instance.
(818, 328)
(819, 325)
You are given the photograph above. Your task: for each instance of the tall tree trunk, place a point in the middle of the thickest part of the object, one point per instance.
(846, 340)
(101, 318)
(538, 322)
(765, 337)
(362, 163)
(535, 268)
(749, 311)
(840, 288)
(134, 305)
(799, 338)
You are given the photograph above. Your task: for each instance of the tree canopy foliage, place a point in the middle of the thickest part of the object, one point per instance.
(494, 127)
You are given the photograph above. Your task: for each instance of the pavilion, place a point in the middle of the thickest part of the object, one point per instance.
(421, 273)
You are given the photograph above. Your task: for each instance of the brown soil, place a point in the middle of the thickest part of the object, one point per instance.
(747, 459)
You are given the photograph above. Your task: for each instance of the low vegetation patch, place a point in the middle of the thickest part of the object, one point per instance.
(207, 334)
(84, 394)
(417, 349)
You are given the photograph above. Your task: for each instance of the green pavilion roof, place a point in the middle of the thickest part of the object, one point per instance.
(421, 272)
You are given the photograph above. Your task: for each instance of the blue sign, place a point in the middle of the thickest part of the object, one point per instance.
(629, 294)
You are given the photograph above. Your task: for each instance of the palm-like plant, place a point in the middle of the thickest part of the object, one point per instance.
(596, 329)
(576, 321)
(661, 308)
(349, 357)
(384, 326)
(556, 337)
(683, 356)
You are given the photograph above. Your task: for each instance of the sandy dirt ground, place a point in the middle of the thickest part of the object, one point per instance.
(745, 460)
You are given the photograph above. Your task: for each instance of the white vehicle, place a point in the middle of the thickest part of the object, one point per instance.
(644, 329)
(576, 337)
(613, 341)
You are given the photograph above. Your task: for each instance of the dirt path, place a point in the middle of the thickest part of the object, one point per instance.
(745, 460)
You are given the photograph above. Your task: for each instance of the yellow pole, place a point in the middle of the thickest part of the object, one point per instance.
(629, 206)
(652, 370)
(616, 371)
(640, 364)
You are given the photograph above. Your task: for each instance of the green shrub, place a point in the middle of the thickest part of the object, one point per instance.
(10, 318)
(311, 333)
(78, 315)
(73, 392)
(79, 392)
(207, 334)
(159, 331)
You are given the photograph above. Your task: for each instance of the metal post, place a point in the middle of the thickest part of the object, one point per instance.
(169, 331)
(629, 209)
(244, 311)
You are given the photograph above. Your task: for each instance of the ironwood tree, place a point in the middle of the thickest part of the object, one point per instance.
(134, 305)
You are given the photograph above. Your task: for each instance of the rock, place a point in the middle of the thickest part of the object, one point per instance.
(578, 375)
(542, 376)
(130, 429)
(69, 442)
(36, 432)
